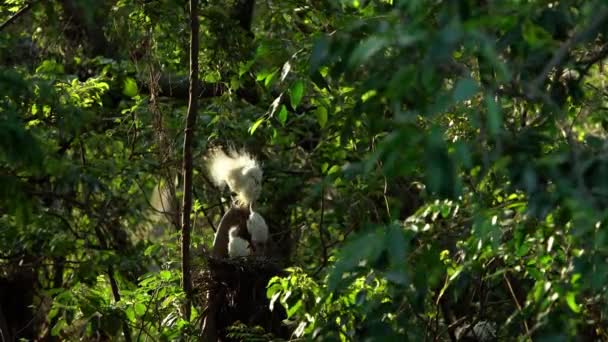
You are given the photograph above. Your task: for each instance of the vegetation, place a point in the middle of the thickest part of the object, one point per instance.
(434, 170)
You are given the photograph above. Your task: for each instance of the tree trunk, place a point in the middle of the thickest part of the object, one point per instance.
(187, 164)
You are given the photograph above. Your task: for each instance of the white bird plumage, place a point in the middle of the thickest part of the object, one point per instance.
(243, 175)
(237, 246)
(256, 226)
(239, 171)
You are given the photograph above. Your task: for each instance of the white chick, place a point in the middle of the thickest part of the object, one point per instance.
(237, 246)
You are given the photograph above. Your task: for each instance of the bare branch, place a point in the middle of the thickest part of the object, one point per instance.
(187, 162)
(561, 54)
(16, 16)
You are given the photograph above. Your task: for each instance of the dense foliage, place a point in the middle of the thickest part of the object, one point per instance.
(433, 169)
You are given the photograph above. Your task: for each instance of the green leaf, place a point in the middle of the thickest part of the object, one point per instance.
(129, 87)
(397, 248)
(262, 75)
(534, 34)
(455, 273)
(324, 167)
(270, 78)
(165, 275)
(140, 309)
(59, 325)
(333, 169)
(130, 314)
(321, 113)
(283, 115)
(396, 245)
(213, 76)
(256, 125)
(294, 309)
(244, 67)
(50, 66)
(364, 247)
(297, 90)
(318, 79)
(571, 301)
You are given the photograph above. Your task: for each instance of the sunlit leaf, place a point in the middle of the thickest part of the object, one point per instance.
(140, 309)
(534, 34)
(571, 301)
(297, 90)
(129, 87)
(321, 113)
(283, 115)
(255, 125)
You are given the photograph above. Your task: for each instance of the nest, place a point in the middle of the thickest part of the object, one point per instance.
(239, 288)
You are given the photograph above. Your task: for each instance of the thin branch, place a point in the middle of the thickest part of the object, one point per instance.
(562, 52)
(18, 255)
(208, 218)
(116, 293)
(65, 222)
(16, 16)
(385, 196)
(517, 304)
(143, 321)
(187, 162)
(599, 56)
(321, 224)
(110, 271)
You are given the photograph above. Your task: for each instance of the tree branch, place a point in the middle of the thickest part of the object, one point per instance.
(178, 87)
(562, 52)
(16, 16)
(187, 162)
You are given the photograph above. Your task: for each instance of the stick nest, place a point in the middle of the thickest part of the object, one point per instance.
(239, 286)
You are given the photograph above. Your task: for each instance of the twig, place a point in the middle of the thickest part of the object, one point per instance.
(590, 61)
(321, 235)
(384, 195)
(563, 50)
(443, 305)
(321, 224)
(16, 16)
(204, 211)
(519, 308)
(65, 222)
(143, 321)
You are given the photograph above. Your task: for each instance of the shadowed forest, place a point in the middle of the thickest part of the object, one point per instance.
(297, 170)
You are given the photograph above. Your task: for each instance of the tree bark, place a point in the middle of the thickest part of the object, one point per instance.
(187, 162)
(116, 293)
